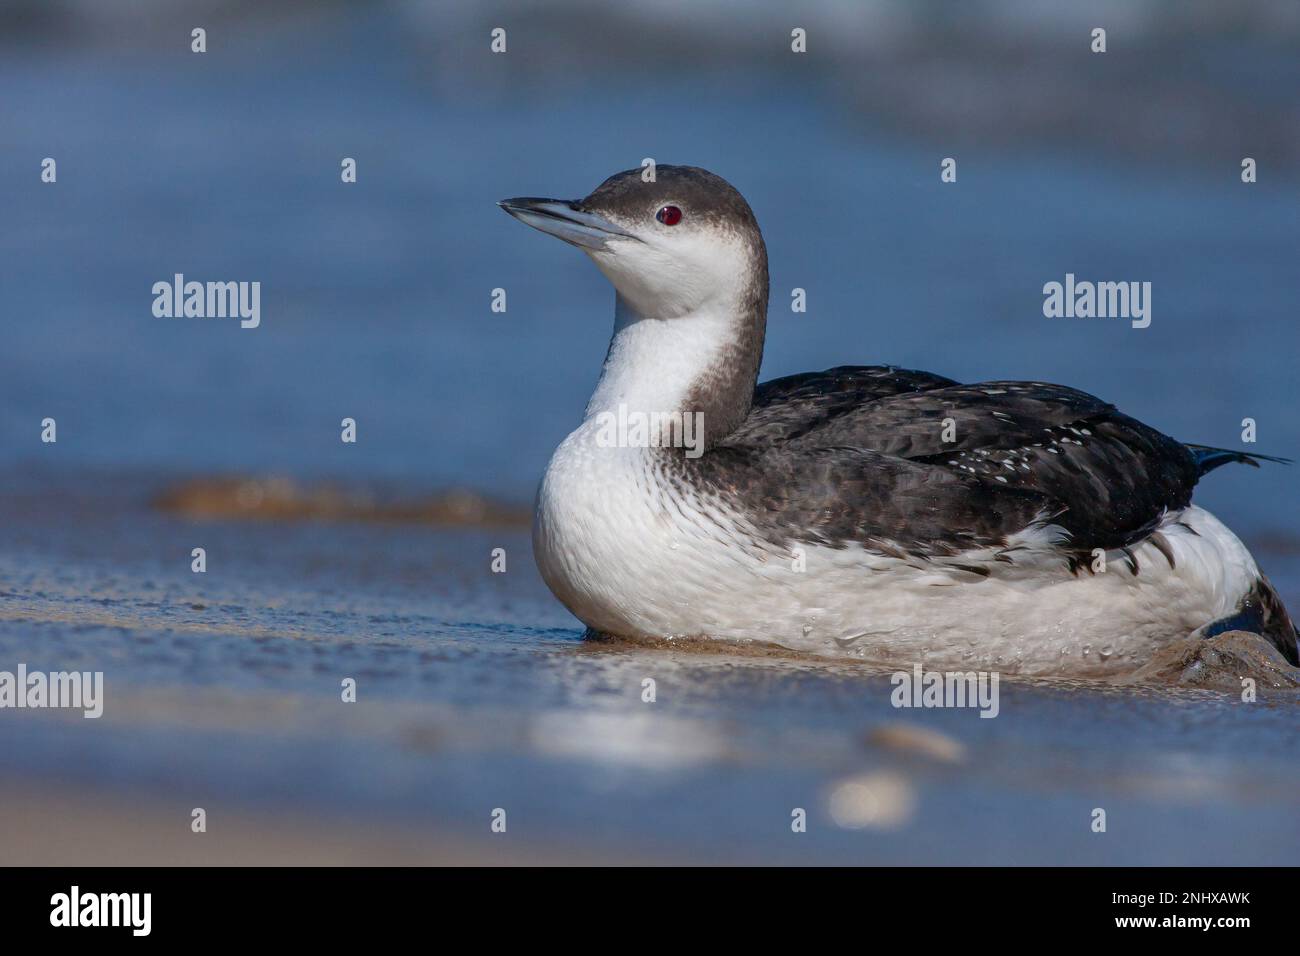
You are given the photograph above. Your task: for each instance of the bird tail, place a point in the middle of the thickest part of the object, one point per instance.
(1207, 458)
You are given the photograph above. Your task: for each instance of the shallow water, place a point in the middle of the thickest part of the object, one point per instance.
(475, 692)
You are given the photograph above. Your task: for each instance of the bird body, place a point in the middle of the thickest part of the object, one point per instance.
(866, 511)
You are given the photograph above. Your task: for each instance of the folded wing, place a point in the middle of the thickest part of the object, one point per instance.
(918, 462)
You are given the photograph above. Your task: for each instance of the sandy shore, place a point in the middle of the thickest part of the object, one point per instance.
(57, 827)
(476, 691)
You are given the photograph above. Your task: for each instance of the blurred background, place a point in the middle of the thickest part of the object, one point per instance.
(176, 433)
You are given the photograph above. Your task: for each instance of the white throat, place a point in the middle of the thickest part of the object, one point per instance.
(653, 364)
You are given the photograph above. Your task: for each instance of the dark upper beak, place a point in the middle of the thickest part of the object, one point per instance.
(564, 219)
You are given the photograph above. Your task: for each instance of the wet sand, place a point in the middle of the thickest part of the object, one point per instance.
(477, 692)
(282, 498)
(63, 828)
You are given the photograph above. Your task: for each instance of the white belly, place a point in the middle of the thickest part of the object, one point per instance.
(633, 557)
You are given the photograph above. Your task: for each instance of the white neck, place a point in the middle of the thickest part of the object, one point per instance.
(653, 364)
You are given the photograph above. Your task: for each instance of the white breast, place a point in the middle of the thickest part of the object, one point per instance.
(622, 552)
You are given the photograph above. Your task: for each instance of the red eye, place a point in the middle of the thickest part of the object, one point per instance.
(669, 215)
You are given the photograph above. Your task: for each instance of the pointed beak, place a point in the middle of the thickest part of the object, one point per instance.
(564, 219)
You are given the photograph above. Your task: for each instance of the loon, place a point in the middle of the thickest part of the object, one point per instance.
(863, 511)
